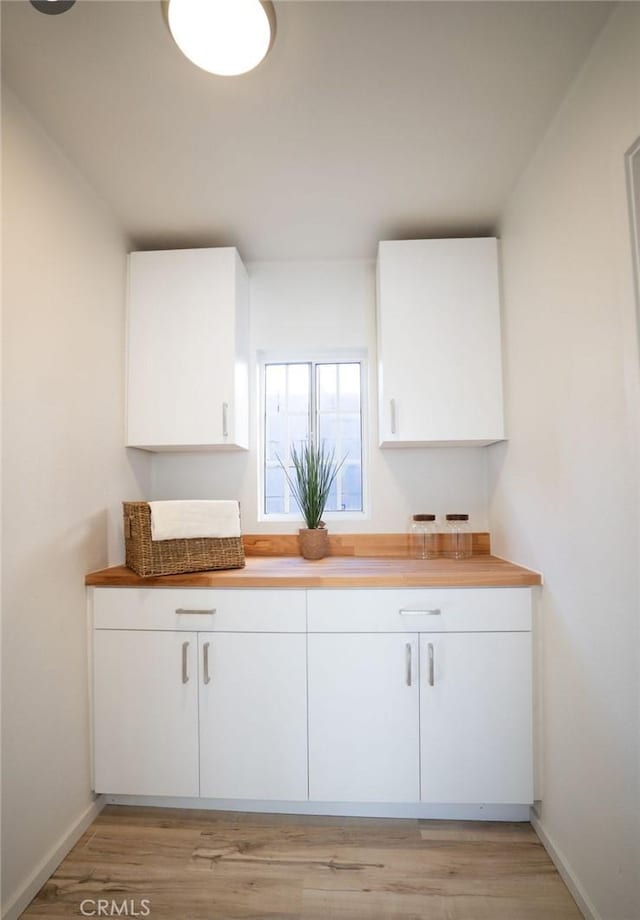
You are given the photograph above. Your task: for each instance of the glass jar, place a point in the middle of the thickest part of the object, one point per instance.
(457, 537)
(423, 539)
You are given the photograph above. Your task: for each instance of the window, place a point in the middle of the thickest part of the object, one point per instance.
(321, 401)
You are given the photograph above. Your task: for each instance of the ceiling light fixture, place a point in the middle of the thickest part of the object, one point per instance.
(52, 7)
(225, 37)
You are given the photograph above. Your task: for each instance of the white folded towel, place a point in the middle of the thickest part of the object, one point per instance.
(184, 520)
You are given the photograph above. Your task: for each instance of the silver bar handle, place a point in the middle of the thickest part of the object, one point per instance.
(392, 414)
(408, 652)
(205, 661)
(225, 420)
(432, 662)
(182, 611)
(185, 673)
(420, 613)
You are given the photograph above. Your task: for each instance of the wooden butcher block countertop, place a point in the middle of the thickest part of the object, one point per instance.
(481, 571)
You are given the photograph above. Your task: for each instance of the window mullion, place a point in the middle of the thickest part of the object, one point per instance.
(338, 441)
(314, 420)
(287, 459)
(265, 440)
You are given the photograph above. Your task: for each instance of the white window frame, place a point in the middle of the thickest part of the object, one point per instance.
(319, 356)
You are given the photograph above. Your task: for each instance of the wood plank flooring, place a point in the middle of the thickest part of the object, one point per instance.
(202, 865)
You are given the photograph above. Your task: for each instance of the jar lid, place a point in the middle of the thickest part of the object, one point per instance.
(457, 517)
(424, 517)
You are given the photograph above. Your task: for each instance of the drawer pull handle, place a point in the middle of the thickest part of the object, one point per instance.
(182, 611)
(408, 662)
(421, 613)
(185, 674)
(392, 413)
(225, 420)
(205, 661)
(432, 663)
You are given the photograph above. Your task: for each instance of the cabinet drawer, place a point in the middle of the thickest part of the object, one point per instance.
(419, 610)
(193, 609)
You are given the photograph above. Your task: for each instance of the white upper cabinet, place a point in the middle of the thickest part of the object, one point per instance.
(188, 349)
(439, 349)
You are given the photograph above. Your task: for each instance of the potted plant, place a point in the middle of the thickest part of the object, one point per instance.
(314, 470)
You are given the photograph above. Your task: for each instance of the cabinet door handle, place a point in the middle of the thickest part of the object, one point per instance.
(432, 660)
(183, 610)
(392, 414)
(225, 420)
(185, 673)
(205, 661)
(408, 652)
(420, 613)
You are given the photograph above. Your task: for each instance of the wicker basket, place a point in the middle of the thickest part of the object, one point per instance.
(173, 557)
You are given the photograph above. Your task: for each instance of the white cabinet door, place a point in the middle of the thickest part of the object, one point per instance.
(145, 712)
(439, 349)
(187, 336)
(363, 718)
(476, 718)
(253, 716)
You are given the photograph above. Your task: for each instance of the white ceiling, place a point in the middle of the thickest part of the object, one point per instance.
(367, 120)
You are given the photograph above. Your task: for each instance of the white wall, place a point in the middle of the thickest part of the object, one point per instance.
(301, 306)
(564, 490)
(64, 474)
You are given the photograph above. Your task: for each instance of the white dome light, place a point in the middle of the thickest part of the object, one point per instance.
(226, 37)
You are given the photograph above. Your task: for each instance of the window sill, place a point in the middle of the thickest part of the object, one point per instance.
(331, 517)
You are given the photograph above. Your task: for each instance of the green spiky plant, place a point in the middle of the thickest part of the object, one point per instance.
(313, 474)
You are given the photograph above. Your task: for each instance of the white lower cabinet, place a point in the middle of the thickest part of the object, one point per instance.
(475, 718)
(253, 716)
(363, 718)
(203, 694)
(354, 695)
(455, 730)
(145, 712)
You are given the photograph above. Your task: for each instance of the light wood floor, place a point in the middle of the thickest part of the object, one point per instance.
(195, 865)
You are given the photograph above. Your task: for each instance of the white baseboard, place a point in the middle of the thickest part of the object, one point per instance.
(340, 809)
(20, 900)
(559, 860)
